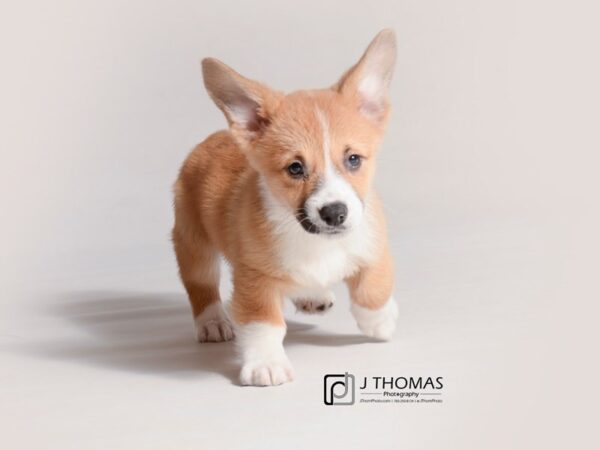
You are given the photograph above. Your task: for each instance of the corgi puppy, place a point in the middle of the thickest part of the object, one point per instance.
(285, 196)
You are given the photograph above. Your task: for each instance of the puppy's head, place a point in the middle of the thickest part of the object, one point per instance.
(315, 150)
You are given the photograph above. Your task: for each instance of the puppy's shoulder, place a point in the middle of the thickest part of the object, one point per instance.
(217, 149)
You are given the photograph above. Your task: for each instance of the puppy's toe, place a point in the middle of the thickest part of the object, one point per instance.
(263, 373)
(314, 305)
(377, 323)
(213, 325)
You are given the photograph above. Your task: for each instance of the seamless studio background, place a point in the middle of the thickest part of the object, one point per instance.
(488, 174)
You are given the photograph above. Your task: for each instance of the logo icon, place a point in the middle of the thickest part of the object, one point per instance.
(339, 389)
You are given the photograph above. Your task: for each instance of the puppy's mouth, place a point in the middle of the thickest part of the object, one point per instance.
(313, 228)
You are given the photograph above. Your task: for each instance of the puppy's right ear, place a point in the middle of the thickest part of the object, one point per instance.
(368, 81)
(247, 105)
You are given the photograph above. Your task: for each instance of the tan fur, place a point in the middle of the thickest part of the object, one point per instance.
(218, 205)
(372, 286)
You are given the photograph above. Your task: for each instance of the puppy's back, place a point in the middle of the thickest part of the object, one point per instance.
(207, 184)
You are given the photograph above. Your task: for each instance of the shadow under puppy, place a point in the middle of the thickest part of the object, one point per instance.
(285, 195)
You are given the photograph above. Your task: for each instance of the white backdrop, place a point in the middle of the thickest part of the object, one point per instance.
(488, 176)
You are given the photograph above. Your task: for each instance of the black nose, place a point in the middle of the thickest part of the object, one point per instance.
(334, 214)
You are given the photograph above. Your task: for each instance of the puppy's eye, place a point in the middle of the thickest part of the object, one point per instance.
(296, 169)
(353, 161)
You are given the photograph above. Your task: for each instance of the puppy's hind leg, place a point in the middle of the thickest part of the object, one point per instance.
(199, 269)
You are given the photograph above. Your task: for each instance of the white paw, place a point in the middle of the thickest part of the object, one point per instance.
(313, 305)
(264, 362)
(314, 302)
(213, 325)
(267, 373)
(377, 323)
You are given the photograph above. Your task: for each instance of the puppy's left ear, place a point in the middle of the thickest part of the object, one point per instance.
(248, 105)
(368, 81)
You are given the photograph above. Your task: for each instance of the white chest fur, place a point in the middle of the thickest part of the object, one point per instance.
(316, 261)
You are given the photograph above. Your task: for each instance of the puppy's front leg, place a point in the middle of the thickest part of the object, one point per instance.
(373, 305)
(260, 329)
